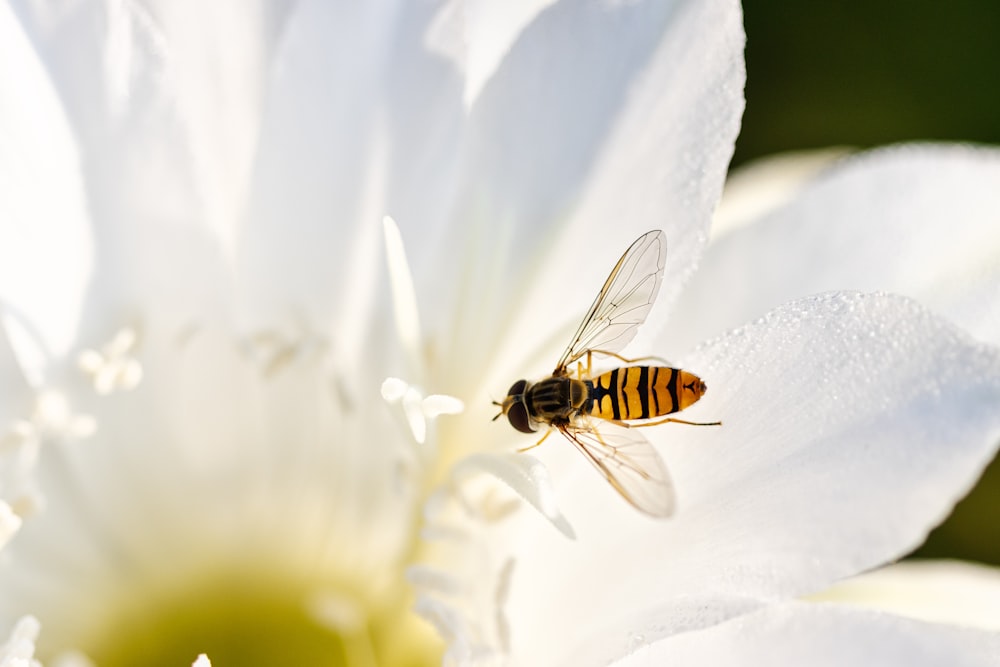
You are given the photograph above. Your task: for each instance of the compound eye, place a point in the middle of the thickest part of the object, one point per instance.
(517, 388)
(518, 416)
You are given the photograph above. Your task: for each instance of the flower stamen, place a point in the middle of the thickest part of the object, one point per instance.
(404, 294)
(500, 601)
(18, 496)
(10, 523)
(113, 367)
(52, 417)
(19, 649)
(525, 475)
(417, 408)
(274, 351)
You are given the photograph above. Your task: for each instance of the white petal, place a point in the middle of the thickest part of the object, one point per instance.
(938, 591)
(425, 121)
(217, 59)
(917, 220)
(26, 356)
(850, 426)
(45, 244)
(320, 172)
(167, 151)
(475, 35)
(758, 188)
(602, 122)
(815, 634)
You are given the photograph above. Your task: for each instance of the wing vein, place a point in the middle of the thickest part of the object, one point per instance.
(623, 302)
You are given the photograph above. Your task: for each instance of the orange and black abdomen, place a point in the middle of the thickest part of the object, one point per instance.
(642, 392)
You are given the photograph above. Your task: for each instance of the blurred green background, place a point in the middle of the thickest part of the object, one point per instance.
(870, 73)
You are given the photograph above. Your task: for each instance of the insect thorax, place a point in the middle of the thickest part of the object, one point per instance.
(556, 398)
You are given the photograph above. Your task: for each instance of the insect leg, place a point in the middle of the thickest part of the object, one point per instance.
(547, 434)
(625, 359)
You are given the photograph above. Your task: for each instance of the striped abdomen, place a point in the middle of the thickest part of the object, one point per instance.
(642, 392)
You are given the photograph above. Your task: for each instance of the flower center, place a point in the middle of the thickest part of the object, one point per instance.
(253, 618)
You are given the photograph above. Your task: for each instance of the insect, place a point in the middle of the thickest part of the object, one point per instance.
(600, 414)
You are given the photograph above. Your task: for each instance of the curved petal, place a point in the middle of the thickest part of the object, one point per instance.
(15, 379)
(814, 634)
(45, 244)
(850, 426)
(315, 157)
(163, 138)
(480, 34)
(916, 220)
(165, 151)
(753, 190)
(361, 120)
(937, 591)
(603, 121)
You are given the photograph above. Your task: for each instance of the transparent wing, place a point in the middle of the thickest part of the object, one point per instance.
(624, 301)
(629, 463)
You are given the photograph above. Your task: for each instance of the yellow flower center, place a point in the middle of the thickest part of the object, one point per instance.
(252, 618)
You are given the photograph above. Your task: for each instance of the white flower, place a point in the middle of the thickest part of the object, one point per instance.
(194, 292)
(939, 613)
(914, 219)
(941, 591)
(873, 215)
(819, 634)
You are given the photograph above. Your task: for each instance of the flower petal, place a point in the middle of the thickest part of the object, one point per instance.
(817, 634)
(917, 220)
(166, 151)
(476, 34)
(602, 122)
(361, 121)
(45, 245)
(937, 591)
(850, 426)
(755, 189)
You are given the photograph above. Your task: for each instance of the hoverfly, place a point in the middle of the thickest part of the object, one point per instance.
(600, 414)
